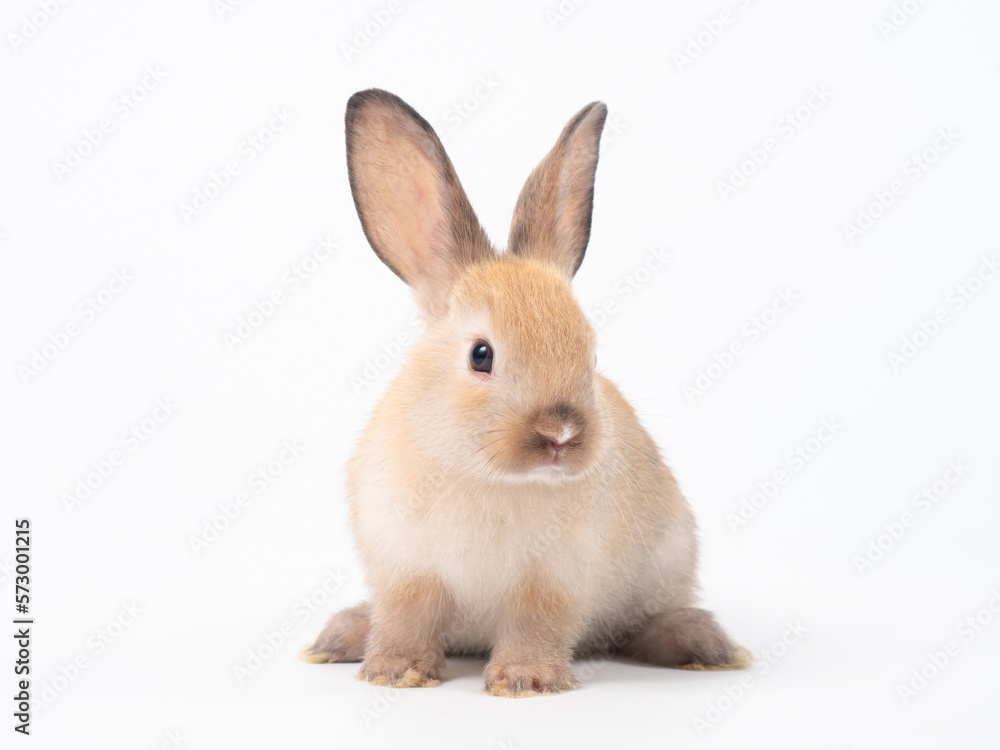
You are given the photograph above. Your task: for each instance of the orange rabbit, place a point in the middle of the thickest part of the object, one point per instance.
(504, 498)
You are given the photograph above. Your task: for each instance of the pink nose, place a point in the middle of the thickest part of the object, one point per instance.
(555, 445)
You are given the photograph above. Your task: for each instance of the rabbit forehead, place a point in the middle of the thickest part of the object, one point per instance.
(530, 310)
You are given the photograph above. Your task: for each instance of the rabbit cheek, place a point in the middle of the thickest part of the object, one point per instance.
(527, 447)
(504, 447)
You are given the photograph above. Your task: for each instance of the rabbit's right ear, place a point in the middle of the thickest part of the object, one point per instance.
(413, 209)
(552, 216)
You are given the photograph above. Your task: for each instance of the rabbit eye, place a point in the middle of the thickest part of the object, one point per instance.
(481, 357)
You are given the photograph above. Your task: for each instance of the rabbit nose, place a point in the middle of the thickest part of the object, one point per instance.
(557, 444)
(558, 426)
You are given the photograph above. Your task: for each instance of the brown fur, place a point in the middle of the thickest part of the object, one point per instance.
(343, 638)
(688, 638)
(534, 643)
(407, 638)
(552, 217)
(523, 512)
(410, 201)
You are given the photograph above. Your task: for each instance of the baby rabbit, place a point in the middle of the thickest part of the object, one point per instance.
(504, 498)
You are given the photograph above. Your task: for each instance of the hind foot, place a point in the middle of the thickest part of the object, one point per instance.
(688, 638)
(342, 640)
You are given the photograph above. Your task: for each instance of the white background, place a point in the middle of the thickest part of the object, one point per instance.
(675, 131)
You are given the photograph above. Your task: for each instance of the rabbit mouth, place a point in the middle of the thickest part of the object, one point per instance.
(557, 451)
(551, 444)
(559, 456)
(536, 458)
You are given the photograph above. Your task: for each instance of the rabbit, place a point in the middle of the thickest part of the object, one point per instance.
(504, 499)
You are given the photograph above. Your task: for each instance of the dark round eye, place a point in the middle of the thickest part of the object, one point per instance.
(481, 357)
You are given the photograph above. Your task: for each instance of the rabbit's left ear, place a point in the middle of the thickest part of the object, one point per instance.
(552, 217)
(413, 209)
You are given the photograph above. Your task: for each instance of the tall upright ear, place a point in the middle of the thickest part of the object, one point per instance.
(552, 217)
(413, 209)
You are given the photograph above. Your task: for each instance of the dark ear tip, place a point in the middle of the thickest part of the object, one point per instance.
(594, 114)
(599, 111)
(361, 98)
(389, 102)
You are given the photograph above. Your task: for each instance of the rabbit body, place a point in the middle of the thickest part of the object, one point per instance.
(612, 542)
(504, 498)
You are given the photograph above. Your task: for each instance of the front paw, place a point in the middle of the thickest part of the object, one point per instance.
(528, 678)
(399, 671)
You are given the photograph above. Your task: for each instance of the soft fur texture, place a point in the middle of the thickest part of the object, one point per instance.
(525, 513)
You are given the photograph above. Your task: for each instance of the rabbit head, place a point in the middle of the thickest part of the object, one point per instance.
(503, 377)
